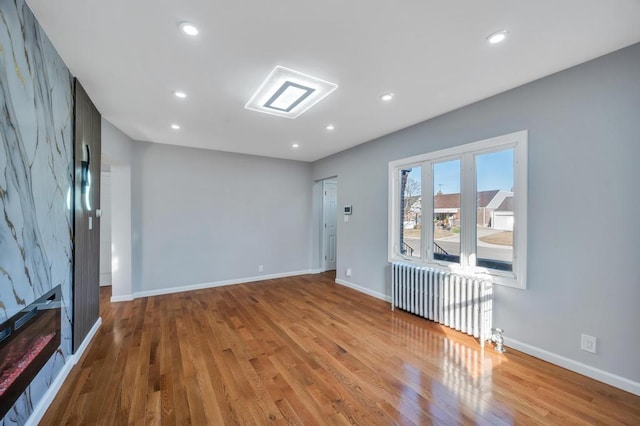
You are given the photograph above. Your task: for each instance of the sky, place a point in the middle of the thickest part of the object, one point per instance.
(494, 171)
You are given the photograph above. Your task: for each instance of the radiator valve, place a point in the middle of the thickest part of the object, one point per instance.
(497, 338)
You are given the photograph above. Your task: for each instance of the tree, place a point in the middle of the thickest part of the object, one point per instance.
(411, 194)
(410, 191)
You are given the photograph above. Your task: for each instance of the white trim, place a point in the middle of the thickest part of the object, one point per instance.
(122, 298)
(575, 366)
(105, 278)
(466, 154)
(178, 289)
(48, 397)
(488, 145)
(50, 394)
(392, 213)
(364, 290)
(170, 290)
(323, 221)
(88, 338)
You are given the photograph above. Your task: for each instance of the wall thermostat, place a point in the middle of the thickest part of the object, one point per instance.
(348, 209)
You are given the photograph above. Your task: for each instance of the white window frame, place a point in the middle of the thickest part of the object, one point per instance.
(468, 194)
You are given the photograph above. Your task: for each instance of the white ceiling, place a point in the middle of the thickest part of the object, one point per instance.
(130, 57)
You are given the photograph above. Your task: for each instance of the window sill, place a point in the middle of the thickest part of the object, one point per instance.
(502, 278)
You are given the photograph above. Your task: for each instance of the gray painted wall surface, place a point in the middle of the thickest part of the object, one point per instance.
(202, 216)
(117, 154)
(116, 146)
(584, 148)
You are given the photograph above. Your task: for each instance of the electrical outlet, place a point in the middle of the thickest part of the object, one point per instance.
(260, 268)
(348, 273)
(588, 343)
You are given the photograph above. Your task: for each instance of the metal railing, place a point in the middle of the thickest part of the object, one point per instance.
(407, 249)
(438, 250)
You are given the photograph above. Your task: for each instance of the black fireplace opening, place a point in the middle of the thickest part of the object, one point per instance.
(27, 341)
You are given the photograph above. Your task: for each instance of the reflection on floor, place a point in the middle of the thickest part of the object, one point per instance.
(466, 373)
(329, 274)
(305, 350)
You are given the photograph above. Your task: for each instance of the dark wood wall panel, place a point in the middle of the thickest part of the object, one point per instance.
(86, 269)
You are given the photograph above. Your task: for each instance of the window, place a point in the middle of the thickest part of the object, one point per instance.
(475, 203)
(446, 210)
(494, 204)
(410, 207)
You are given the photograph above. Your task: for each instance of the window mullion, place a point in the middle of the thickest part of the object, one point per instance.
(468, 214)
(427, 211)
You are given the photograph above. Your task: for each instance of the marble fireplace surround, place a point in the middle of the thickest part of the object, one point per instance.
(36, 166)
(27, 341)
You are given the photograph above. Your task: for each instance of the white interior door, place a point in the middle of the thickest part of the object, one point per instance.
(329, 214)
(105, 228)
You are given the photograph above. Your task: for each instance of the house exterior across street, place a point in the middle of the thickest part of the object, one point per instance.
(494, 209)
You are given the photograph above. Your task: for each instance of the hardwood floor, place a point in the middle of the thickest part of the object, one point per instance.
(305, 350)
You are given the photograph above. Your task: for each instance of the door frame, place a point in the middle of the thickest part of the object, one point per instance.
(323, 234)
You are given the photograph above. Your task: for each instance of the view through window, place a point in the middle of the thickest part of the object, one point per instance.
(446, 211)
(474, 197)
(411, 211)
(494, 216)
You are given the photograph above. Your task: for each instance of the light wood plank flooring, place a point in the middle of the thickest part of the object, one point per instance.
(305, 350)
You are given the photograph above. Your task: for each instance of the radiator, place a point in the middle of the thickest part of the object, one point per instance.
(461, 302)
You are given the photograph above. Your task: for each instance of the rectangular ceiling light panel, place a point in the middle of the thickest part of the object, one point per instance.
(289, 93)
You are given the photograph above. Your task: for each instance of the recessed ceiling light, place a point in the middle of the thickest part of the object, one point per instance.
(175, 127)
(180, 94)
(330, 127)
(387, 97)
(295, 146)
(188, 28)
(497, 37)
(289, 93)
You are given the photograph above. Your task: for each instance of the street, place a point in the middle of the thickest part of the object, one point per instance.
(451, 245)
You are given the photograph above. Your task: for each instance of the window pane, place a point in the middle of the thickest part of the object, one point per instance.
(494, 240)
(446, 211)
(410, 211)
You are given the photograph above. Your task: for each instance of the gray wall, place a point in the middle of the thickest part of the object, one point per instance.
(201, 216)
(116, 146)
(117, 153)
(584, 148)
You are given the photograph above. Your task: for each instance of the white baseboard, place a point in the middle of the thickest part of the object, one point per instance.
(578, 367)
(85, 343)
(170, 290)
(122, 298)
(316, 271)
(50, 394)
(105, 279)
(364, 290)
(53, 390)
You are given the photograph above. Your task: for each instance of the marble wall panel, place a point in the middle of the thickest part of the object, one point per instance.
(36, 164)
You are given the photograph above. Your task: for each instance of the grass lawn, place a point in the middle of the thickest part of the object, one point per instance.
(504, 238)
(439, 233)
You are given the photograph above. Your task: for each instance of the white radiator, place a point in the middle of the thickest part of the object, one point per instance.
(461, 302)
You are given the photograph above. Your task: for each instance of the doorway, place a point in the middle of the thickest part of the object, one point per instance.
(329, 223)
(105, 225)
